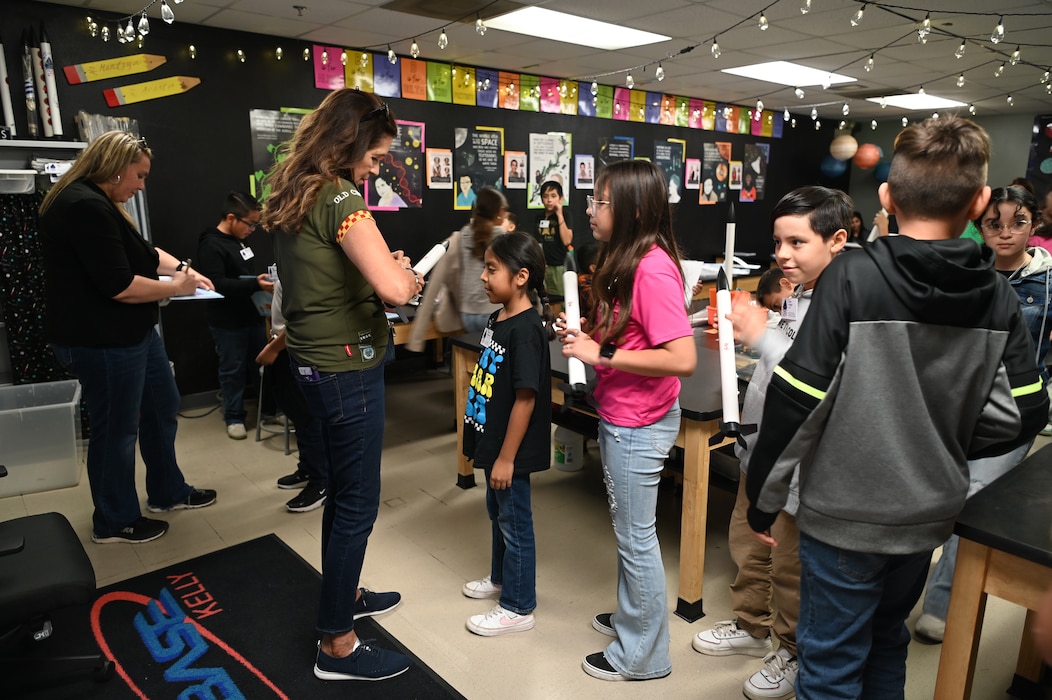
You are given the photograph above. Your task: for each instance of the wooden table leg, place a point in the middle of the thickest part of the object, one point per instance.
(463, 363)
(695, 511)
(964, 622)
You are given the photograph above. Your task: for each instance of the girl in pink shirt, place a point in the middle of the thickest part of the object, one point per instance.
(639, 339)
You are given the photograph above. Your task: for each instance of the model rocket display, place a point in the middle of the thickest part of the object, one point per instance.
(728, 256)
(424, 265)
(572, 307)
(5, 95)
(30, 92)
(40, 83)
(50, 113)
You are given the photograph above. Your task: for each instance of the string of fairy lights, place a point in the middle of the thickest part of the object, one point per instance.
(133, 28)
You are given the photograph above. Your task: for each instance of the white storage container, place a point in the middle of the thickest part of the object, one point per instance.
(39, 426)
(17, 181)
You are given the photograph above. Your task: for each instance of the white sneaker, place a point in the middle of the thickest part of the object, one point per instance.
(499, 621)
(930, 628)
(726, 638)
(236, 431)
(775, 680)
(483, 588)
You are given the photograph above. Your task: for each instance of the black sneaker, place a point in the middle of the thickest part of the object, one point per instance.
(371, 603)
(198, 498)
(142, 530)
(308, 499)
(596, 666)
(294, 480)
(601, 623)
(366, 663)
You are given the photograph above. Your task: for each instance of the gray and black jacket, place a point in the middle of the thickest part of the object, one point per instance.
(913, 358)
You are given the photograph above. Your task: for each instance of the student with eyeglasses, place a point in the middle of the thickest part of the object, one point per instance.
(238, 329)
(1006, 225)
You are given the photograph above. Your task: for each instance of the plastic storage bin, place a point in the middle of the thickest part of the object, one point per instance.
(39, 426)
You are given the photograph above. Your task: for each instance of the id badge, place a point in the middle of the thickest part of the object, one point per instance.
(789, 308)
(487, 336)
(545, 224)
(247, 254)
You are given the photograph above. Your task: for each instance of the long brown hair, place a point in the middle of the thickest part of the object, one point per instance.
(488, 204)
(639, 203)
(327, 143)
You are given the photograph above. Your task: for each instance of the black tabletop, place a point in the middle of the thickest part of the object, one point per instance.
(700, 397)
(1014, 514)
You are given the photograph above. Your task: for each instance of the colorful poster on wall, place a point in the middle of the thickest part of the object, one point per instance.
(637, 109)
(708, 115)
(736, 175)
(400, 183)
(715, 170)
(668, 155)
(549, 160)
(439, 87)
(551, 100)
(487, 85)
(586, 101)
(653, 107)
(616, 148)
(682, 111)
(622, 102)
(508, 91)
(463, 86)
(478, 160)
(328, 69)
(604, 102)
(584, 172)
(529, 93)
(668, 110)
(414, 79)
(693, 167)
(754, 171)
(387, 77)
(516, 169)
(356, 73)
(568, 96)
(440, 168)
(268, 129)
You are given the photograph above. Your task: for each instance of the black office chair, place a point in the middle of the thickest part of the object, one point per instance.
(43, 569)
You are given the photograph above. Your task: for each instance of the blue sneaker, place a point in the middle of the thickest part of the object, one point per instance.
(366, 663)
(371, 603)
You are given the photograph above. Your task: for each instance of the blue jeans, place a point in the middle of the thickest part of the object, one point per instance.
(237, 349)
(852, 636)
(632, 462)
(349, 407)
(514, 561)
(982, 472)
(130, 394)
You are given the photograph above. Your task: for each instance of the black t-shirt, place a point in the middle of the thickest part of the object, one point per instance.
(547, 232)
(514, 356)
(220, 259)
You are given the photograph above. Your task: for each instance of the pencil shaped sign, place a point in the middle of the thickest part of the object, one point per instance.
(572, 307)
(140, 92)
(112, 68)
(424, 265)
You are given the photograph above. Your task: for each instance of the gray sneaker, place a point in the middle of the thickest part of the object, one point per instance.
(726, 638)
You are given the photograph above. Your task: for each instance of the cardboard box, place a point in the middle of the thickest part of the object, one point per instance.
(39, 426)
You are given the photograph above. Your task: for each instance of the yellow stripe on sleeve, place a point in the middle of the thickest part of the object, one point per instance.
(799, 385)
(1028, 389)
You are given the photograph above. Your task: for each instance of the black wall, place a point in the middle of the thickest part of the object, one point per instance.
(202, 148)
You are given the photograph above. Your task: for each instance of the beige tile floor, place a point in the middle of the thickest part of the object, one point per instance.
(431, 536)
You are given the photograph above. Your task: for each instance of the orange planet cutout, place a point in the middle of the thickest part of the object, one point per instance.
(867, 155)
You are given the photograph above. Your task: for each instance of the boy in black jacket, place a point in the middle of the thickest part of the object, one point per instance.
(913, 360)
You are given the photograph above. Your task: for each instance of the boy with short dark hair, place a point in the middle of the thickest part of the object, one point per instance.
(914, 359)
(772, 288)
(554, 231)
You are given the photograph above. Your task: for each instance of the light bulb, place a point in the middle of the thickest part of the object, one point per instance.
(999, 71)
(905, 121)
(873, 125)
(1014, 60)
(139, 43)
(763, 24)
(883, 102)
(759, 107)
(659, 73)
(629, 82)
(105, 33)
(857, 19)
(715, 48)
(325, 57)
(785, 115)
(306, 54)
(480, 27)
(960, 80)
(594, 89)
(343, 58)
(799, 92)
(1011, 100)
(178, 2)
(814, 113)
(959, 53)
(241, 55)
(443, 40)
(144, 24)
(846, 109)
(1045, 77)
(842, 125)
(827, 81)
(792, 122)
(363, 60)
(120, 34)
(1048, 87)
(925, 28)
(869, 63)
(414, 50)
(920, 90)
(129, 31)
(166, 12)
(278, 53)
(818, 125)
(934, 115)
(971, 109)
(999, 31)
(806, 7)
(193, 50)
(391, 57)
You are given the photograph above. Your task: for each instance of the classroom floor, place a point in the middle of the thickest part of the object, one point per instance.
(432, 536)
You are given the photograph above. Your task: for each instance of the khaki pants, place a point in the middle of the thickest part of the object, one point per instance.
(553, 279)
(766, 575)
